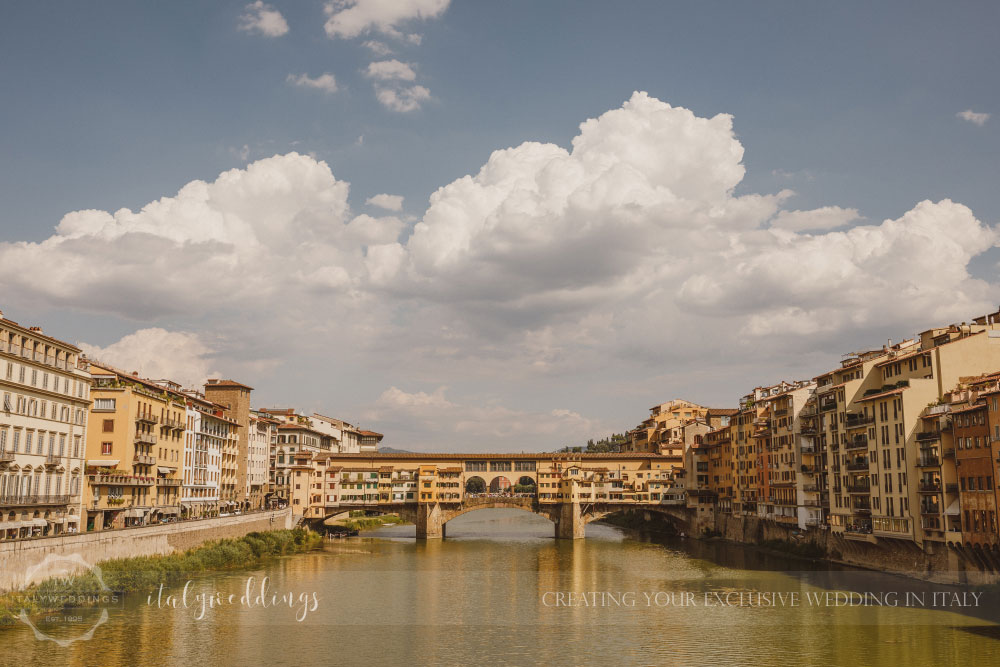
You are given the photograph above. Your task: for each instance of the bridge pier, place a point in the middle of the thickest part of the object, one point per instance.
(429, 523)
(569, 522)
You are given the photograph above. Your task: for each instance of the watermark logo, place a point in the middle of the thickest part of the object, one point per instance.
(70, 602)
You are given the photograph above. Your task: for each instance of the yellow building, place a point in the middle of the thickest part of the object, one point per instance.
(135, 450)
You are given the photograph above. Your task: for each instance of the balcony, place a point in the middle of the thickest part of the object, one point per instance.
(928, 436)
(810, 469)
(51, 461)
(170, 422)
(930, 486)
(827, 406)
(858, 420)
(862, 507)
(928, 508)
(858, 464)
(781, 412)
(120, 480)
(808, 449)
(147, 418)
(162, 481)
(26, 501)
(859, 442)
(812, 503)
(858, 488)
(6, 457)
(143, 459)
(810, 488)
(928, 462)
(145, 438)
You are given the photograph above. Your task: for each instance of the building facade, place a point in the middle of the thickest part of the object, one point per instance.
(45, 394)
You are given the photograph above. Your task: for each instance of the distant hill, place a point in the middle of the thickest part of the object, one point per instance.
(393, 450)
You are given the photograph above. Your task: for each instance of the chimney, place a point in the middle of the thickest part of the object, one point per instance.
(37, 330)
(1, 314)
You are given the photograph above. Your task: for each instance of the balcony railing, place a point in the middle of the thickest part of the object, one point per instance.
(930, 486)
(147, 418)
(6, 457)
(826, 406)
(120, 480)
(52, 460)
(23, 501)
(928, 462)
(167, 482)
(856, 420)
(143, 459)
(930, 509)
(928, 436)
(858, 464)
(145, 438)
(859, 442)
(858, 488)
(170, 422)
(810, 469)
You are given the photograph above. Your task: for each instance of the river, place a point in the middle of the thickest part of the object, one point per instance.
(501, 591)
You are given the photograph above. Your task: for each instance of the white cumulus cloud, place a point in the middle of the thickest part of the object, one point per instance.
(388, 202)
(159, 354)
(376, 47)
(325, 82)
(387, 70)
(263, 19)
(974, 117)
(402, 99)
(350, 18)
(625, 260)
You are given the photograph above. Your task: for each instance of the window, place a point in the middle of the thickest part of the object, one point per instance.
(104, 404)
(109, 425)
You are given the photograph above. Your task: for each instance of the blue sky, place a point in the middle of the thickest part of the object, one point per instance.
(117, 104)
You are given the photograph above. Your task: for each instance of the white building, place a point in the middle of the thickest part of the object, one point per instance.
(208, 432)
(261, 434)
(44, 402)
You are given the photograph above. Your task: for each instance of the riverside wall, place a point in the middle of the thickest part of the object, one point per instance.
(24, 562)
(935, 562)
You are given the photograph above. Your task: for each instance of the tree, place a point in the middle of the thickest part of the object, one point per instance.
(475, 485)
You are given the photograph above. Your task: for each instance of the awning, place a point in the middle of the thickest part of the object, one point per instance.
(165, 470)
(110, 463)
(4, 525)
(36, 522)
(169, 510)
(135, 513)
(953, 509)
(71, 519)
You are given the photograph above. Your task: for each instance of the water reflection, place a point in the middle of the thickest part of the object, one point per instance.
(478, 597)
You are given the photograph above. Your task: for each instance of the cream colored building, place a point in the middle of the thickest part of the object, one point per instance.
(878, 422)
(44, 405)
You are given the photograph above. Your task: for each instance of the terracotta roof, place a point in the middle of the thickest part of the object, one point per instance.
(968, 408)
(725, 412)
(379, 435)
(226, 383)
(872, 397)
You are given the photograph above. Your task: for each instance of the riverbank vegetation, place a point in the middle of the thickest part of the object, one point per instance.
(145, 573)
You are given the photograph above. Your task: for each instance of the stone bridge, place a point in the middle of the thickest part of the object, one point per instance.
(430, 490)
(569, 518)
